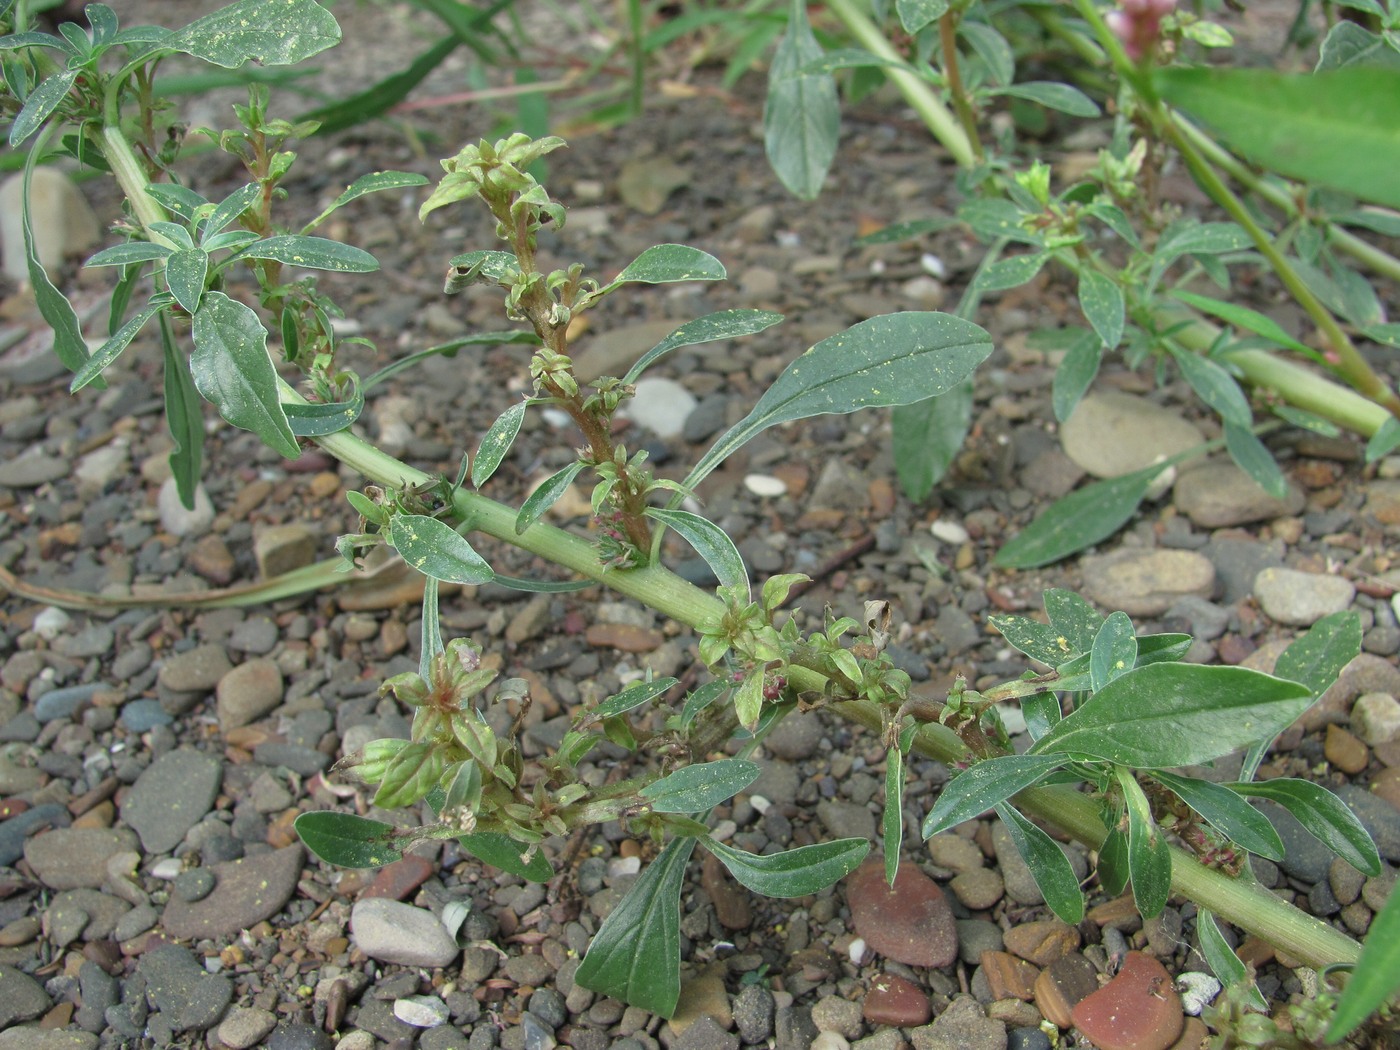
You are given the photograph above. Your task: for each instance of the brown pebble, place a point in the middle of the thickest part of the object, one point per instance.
(1386, 784)
(337, 1003)
(910, 923)
(1344, 750)
(100, 816)
(730, 900)
(58, 1017)
(1014, 1013)
(1009, 977)
(212, 559)
(1121, 914)
(12, 807)
(1041, 942)
(896, 1001)
(1255, 952)
(20, 931)
(881, 497)
(1062, 985)
(398, 881)
(1139, 1009)
(325, 484)
(1194, 1035)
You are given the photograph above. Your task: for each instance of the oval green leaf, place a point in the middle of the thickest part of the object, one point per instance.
(185, 272)
(505, 853)
(348, 841)
(694, 789)
(1078, 520)
(130, 252)
(496, 442)
(802, 114)
(1114, 652)
(1102, 302)
(1316, 658)
(980, 787)
(794, 873)
(312, 253)
(632, 697)
(667, 263)
(711, 542)
(271, 32)
(112, 348)
(436, 549)
(545, 496)
(724, 324)
(1054, 95)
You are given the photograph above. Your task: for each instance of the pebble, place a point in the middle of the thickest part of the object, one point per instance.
(1113, 433)
(32, 469)
(64, 703)
(1021, 886)
(171, 796)
(1301, 598)
(62, 222)
(1219, 494)
(894, 1000)
(765, 486)
(1042, 941)
(1146, 582)
(31, 1038)
(1139, 1009)
(831, 1013)
(400, 933)
(246, 891)
(1344, 750)
(754, 1009)
(257, 635)
(979, 889)
(661, 405)
(294, 1036)
(1376, 718)
(703, 996)
(185, 994)
(1062, 985)
(910, 923)
(280, 549)
(74, 858)
(21, 997)
(421, 1011)
(245, 1026)
(196, 670)
(962, 1025)
(193, 884)
(141, 716)
(793, 739)
(248, 692)
(1380, 819)
(179, 520)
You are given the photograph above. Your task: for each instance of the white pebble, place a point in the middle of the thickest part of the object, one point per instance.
(949, 532)
(765, 485)
(933, 265)
(724, 830)
(557, 418)
(1012, 720)
(168, 868)
(830, 1041)
(176, 519)
(1197, 990)
(857, 951)
(624, 866)
(421, 1011)
(760, 803)
(50, 623)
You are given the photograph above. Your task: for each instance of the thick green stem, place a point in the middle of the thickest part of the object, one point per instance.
(916, 92)
(132, 178)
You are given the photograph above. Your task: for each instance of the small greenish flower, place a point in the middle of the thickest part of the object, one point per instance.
(455, 677)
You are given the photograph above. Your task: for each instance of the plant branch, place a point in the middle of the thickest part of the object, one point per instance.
(952, 72)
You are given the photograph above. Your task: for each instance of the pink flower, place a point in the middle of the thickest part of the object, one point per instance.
(1138, 23)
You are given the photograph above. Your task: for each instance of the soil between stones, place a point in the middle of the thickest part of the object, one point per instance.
(246, 708)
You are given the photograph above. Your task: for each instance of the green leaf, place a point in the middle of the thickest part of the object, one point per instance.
(1376, 976)
(1113, 862)
(185, 272)
(1149, 856)
(348, 841)
(1076, 372)
(491, 265)
(322, 418)
(1041, 712)
(431, 632)
(1215, 386)
(711, 542)
(700, 699)
(1049, 866)
(636, 955)
(1243, 317)
(545, 496)
(632, 697)
(184, 417)
(230, 208)
(1077, 521)
(270, 32)
(983, 785)
(1102, 302)
(233, 370)
(993, 219)
(795, 873)
(449, 349)
(112, 348)
(1253, 457)
(1190, 237)
(992, 48)
(851, 58)
(181, 200)
(1323, 815)
(1306, 420)
(438, 550)
(928, 436)
(130, 252)
(1054, 95)
(1114, 652)
(694, 789)
(897, 232)
(497, 442)
(410, 775)
(748, 700)
(896, 359)
(54, 307)
(312, 253)
(1228, 813)
(374, 182)
(1114, 218)
(668, 263)
(892, 819)
(1172, 714)
(724, 324)
(1037, 640)
(1316, 658)
(1010, 272)
(1384, 441)
(1073, 618)
(1222, 960)
(915, 14)
(1339, 129)
(501, 851)
(802, 114)
(40, 104)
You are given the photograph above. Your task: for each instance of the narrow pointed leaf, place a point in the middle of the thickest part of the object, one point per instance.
(695, 789)
(1377, 973)
(322, 418)
(748, 700)
(312, 253)
(184, 416)
(802, 114)
(271, 32)
(233, 370)
(711, 542)
(348, 841)
(1170, 714)
(1114, 652)
(724, 324)
(1076, 373)
(436, 549)
(431, 634)
(896, 359)
(1079, 520)
(496, 443)
(1221, 958)
(130, 252)
(54, 307)
(230, 208)
(915, 14)
(112, 348)
(1244, 317)
(1049, 866)
(1149, 856)
(794, 873)
(1113, 863)
(1253, 457)
(632, 697)
(636, 955)
(1216, 387)
(545, 496)
(1228, 813)
(1102, 302)
(1054, 95)
(700, 699)
(928, 436)
(980, 787)
(1010, 273)
(41, 103)
(1316, 658)
(892, 820)
(371, 183)
(1324, 816)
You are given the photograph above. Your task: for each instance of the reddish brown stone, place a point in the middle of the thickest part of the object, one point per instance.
(627, 637)
(1194, 1035)
(1042, 942)
(731, 901)
(1137, 1010)
(398, 880)
(1121, 914)
(909, 923)
(1345, 750)
(1009, 977)
(1062, 985)
(893, 1000)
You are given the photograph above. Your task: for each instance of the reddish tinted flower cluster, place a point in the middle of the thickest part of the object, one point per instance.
(1138, 23)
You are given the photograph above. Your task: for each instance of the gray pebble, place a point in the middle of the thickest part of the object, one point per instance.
(288, 1036)
(64, 703)
(24, 998)
(98, 990)
(548, 1005)
(1304, 857)
(186, 996)
(754, 1008)
(1380, 819)
(171, 796)
(193, 884)
(304, 761)
(14, 831)
(140, 716)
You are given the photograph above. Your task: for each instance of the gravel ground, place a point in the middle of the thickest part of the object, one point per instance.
(152, 891)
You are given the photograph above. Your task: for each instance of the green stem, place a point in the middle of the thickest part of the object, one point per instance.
(952, 73)
(132, 178)
(1351, 365)
(916, 92)
(1248, 907)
